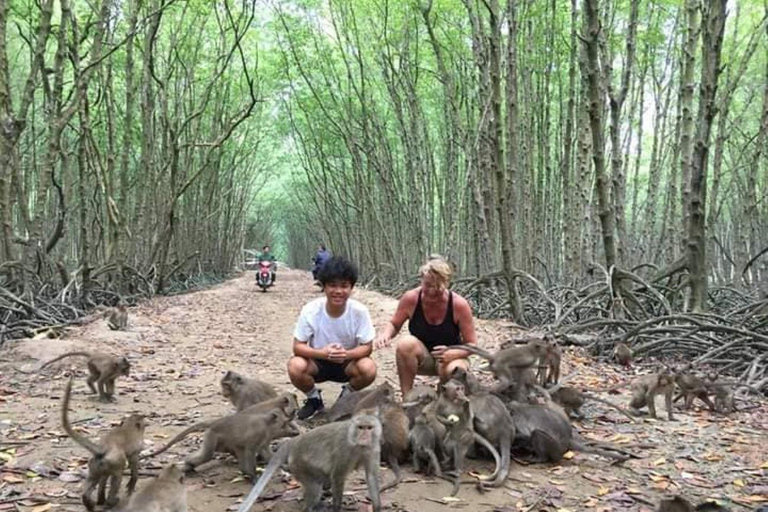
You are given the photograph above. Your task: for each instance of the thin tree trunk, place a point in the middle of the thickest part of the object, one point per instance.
(712, 42)
(595, 110)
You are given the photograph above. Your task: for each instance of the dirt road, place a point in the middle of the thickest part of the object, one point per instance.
(180, 347)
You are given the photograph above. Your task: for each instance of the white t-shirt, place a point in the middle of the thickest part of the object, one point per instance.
(354, 327)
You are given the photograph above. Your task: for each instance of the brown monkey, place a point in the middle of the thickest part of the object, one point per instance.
(343, 407)
(287, 402)
(120, 445)
(118, 318)
(423, 443)
(383, 393)
(103, 368)
(548, 434)
(416, 399)
(327, 454)
(507, 363)
(572, 399)
(692, 387)
(244, 392)
(471, 384)
(491, 420)
(166, 493)
(645, 389)
(549, 365)
(678, 504)
(243, 434)
(622, 354)
(459, 438)
(394, 431)
(723, 392)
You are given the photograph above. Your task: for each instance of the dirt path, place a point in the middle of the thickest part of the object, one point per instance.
(180, 347)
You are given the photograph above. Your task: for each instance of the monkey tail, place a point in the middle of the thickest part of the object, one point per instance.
(197, 427)
(610, 404)
(434, 462)
(81, 353)
(277, 460)
(81, 440)
(473, 349)
(483, 441)
(606, 450)
(502, 472)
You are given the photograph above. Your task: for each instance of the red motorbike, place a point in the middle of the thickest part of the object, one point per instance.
(264, 277)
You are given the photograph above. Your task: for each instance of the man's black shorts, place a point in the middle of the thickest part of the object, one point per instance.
(334, 372)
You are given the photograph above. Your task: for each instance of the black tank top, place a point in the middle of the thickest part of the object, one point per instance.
(445, 333)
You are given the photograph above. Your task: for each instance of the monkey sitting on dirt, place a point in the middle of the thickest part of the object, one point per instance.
(118, 318)
(244, 392)
(166, 493)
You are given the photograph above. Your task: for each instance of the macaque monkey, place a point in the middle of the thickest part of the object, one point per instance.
(117, 447)
(343, 407)
(548, 434)
(723, 392)
(244, 392)
(394, 428)
(491, 420)
(243, 434)
(549, 365)
(692, 387)
(507, 363)
(327, 454)
(622, 354)
(572, 399)
(166, 493)
(103, 368)
(416, 399)
(454, 411)
(118, 318)
(381, 394)
(423, 443)
(287, 402)
(645, 389)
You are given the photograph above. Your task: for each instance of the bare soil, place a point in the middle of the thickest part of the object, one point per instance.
(180, 347)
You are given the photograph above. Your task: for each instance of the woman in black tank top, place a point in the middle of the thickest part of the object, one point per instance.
(437, 318)
(445, 333)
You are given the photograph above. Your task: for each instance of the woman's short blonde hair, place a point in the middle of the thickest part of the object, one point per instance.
(438, 268)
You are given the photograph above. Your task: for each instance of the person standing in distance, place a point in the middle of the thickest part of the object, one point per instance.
(320, 258)
(333, 339)
(437, 318)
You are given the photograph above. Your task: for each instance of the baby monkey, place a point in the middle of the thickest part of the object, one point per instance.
(118, 318)
(423, 443)
(166, 493)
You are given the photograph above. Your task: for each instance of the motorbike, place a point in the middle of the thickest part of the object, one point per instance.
(264, 275)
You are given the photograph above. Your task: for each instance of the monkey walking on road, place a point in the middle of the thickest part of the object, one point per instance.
(117, 447)
(327, 454)
(104, 369)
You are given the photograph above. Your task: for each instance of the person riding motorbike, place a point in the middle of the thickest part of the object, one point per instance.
(320, 258)
(266, 255)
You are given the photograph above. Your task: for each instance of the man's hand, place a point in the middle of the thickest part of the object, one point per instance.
(336, 353)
